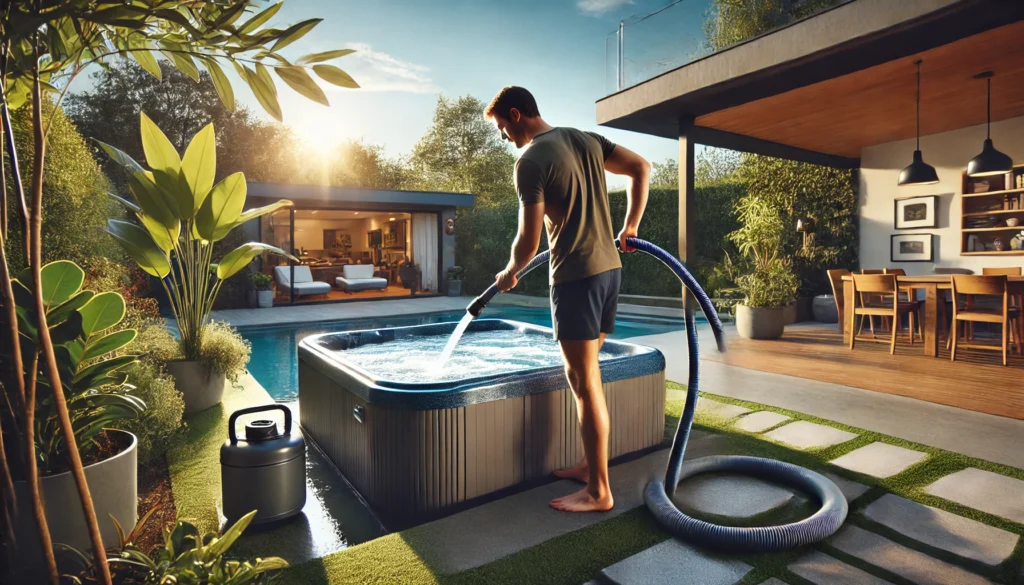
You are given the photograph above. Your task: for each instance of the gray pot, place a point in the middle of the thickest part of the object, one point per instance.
(200, 387)
(825, 309)
(265, 298)
(455, 288)
(760, 322)
(250, 297)
(789, 313)
(112, 484)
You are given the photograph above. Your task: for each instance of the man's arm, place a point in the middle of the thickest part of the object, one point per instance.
(623, 161)
(524, 248)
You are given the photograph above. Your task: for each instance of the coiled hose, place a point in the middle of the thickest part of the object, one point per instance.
(658, 493)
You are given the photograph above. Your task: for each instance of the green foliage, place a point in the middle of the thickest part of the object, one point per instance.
(187, 557)
(456, 273)
(160, 426)
(728, 22)
(463, 152)
(261, 281)
(74, 204)
(224, 350)
(82, 325)
(183, 214)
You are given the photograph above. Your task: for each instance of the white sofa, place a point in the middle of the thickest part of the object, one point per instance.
(304, 284)
(357, 277)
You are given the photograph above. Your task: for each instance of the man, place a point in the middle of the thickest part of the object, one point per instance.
(560, 180)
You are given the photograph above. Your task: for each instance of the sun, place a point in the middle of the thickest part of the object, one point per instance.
(320, 133)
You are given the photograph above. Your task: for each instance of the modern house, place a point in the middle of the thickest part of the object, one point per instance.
(838, 88)
(356, 243)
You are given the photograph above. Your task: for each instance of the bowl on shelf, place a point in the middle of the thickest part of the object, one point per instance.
(979, 186)
(1012, 222)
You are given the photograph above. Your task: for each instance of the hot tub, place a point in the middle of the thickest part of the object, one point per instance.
(418, 443)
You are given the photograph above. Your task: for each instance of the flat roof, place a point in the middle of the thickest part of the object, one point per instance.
(328, 197)
(778, 94)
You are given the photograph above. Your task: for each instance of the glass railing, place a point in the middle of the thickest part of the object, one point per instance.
(647, 45)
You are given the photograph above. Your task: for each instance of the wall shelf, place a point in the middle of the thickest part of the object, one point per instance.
(998, 212)
(990, 193)
(994, 253)
(1005, 192)
(994, 229)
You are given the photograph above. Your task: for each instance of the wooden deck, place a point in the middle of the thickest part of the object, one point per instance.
(976, 381)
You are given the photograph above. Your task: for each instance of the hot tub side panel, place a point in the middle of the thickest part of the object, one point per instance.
(414, 464)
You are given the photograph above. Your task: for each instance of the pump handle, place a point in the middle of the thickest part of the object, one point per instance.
(254, 409)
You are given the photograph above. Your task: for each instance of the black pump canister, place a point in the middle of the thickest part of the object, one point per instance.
(263, 471)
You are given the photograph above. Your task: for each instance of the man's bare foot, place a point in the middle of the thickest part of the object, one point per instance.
(580, 472)
(583, 501)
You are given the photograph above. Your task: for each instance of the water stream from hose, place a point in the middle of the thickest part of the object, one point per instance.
(454, 339)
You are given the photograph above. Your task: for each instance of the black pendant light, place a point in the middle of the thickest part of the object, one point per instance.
(990, 161)
(919, 172)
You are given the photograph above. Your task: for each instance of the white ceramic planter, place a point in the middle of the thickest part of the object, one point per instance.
(760, 322)
(200, 388)
(265, 298)
(454, 288)
(114, 489)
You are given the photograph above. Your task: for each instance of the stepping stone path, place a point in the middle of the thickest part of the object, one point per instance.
(736, 496)
(719, 409)
(910, 564)
(821, 569)
(773, 581)
(879, 459)
(675, 563)
(806, 435)
(851, 489)
(983, 490)
(760, 421)
(962, 536)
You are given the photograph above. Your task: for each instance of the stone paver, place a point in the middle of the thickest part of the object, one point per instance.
(720, 409)
(900, 560)
(806, 435)
(851, 489)
(983, 490)
(736, 496)
(879, 459)
(942, 529)
(821, 569)
(760, 421)
(675, 563)
(773, 581)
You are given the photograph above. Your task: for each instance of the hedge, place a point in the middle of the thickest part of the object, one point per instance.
(485, 234)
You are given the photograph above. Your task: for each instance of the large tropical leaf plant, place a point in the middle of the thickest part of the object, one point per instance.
(181, 215)
(45, 45)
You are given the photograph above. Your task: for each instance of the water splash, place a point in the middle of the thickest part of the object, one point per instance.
(454, 340)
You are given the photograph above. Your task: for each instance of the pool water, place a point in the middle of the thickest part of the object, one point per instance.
(274, 361)
(480, 353)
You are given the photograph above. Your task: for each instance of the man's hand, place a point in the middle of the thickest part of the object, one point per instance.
(627, 232)
(506, 280)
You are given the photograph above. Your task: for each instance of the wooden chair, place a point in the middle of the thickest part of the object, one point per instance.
(1016, 300)
(910, 296)
(835, 278)
(873, 300)
(881, 285)
(1004, 314)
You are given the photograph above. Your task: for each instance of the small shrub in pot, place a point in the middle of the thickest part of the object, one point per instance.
(455, 274)
(264, 286)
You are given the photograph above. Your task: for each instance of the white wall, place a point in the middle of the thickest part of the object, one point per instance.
(948, 153)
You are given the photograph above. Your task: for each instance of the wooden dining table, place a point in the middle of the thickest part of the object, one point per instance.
(931, 284)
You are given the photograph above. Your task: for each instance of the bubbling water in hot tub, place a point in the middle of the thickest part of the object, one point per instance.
(480, 353)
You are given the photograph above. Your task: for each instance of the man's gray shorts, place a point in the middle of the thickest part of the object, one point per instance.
(585, 308)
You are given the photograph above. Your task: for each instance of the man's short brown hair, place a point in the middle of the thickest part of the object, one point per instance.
(512, 96)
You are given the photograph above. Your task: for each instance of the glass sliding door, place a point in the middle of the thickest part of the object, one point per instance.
(278, 230)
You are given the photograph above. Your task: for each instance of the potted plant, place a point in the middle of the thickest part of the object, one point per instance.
(264, 286)
(455, 274)
(87, 345)
(181, 215)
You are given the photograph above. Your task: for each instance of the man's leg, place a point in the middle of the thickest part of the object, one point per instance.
(581, 471)
(584, 374)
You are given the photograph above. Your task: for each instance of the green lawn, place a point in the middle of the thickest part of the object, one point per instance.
(579, 556)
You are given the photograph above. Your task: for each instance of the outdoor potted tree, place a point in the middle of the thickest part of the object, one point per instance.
(770, 285)
(182, 214)
(264, 286)
(455, 274)
(87, 344)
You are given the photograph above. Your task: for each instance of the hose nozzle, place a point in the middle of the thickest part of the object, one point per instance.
(478, 304)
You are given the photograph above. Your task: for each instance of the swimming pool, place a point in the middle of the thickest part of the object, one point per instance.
(274, 362)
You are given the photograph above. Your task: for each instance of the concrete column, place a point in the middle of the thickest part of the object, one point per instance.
(687, 202)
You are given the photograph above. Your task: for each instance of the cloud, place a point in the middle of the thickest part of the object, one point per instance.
(378, 71)
(599, 7)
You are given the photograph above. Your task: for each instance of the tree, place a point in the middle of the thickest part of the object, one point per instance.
(462, 152)
(711, 166)
(264, 151)
(357, 164)
(46, 45)
(731, 21)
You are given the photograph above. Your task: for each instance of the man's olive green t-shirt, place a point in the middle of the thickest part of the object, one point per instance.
(564, 169)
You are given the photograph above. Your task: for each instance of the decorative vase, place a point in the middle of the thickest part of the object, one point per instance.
(265, 298)
(825, 309)
(760, 322)
(199, 387)
(114, 489)
(998, 244)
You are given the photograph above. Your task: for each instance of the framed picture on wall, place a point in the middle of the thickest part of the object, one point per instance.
(913, 213)
(912, 247)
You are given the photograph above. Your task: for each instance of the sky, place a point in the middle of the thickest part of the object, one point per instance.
(411, 51)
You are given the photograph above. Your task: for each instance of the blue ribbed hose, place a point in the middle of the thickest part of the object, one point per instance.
(657, 494)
